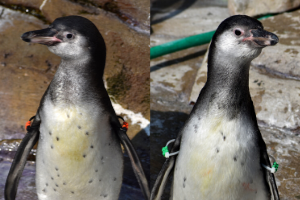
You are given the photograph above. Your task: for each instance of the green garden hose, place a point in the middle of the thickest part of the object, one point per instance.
(184, 43)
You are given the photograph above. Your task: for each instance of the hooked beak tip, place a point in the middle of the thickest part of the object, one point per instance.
(26, 37)
(274, 39)
(264, 38)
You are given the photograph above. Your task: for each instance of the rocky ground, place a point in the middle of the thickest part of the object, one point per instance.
(176, 80)
(27, 69)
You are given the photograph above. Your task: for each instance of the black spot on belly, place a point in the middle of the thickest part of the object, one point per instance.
(100, 180)
(224, 137)
(183, 185)
(242, 163)
(54, 189)
(115, 179)
(57, 138)
(217, 149)
(68, 115)
(212, 97)
(56, 168)
(50, 133)
(44, 190)
(51, 146)
(79, 127)
(184, 179)
(102, 158)
(64, 183)
(52, 178)
(72, 192)
(47, 184)
(84, 155)
(91, 181)
(195, 127)
(57, 175)
(108, 144)
(92, 146)
(234, 158)
(87, 133)
(96, 170)
(56, 185)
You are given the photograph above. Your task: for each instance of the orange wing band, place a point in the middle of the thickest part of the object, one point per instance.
(125, 124)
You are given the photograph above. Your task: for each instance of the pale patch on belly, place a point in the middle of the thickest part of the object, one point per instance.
(218, 160)
(78, 156)
(71, 130)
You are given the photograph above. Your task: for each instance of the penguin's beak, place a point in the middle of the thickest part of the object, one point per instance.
(262, 38)
(44, 36)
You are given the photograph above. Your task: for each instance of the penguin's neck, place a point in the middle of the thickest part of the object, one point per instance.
(227, 87)
(76, 80)
(229, 74)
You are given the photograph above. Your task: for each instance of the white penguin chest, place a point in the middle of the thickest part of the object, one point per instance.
(77, 152)
(218, 159)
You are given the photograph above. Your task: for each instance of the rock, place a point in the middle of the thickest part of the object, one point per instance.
(284, 147)
(258, 7)
(131, 12)
(282, 60)
(277, 68)
(26, 74)
(276, 101)
(194, 20)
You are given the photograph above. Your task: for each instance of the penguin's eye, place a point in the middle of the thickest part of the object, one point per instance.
(69, 36)
(237, 32)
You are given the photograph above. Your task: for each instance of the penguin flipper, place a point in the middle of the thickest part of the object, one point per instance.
(162, 178)
(270, 178)
(17, 167)
(135, 161)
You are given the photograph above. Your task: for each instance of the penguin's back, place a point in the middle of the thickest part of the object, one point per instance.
(78, 155)
(219, 159)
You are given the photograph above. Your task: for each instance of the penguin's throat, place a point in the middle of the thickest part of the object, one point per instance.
(231, 75)
(227, 87)
(74, 84)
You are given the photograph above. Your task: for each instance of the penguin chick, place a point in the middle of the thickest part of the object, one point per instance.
(79, 154)
(221, 148)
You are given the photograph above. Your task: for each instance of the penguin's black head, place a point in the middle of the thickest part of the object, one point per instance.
(69, 37)
(242, 36)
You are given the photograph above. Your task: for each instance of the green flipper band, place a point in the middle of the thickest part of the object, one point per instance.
(272, 169)
(165, 150)
(275, 165)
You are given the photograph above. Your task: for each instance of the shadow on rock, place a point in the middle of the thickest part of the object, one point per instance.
(164, 127)
(169, 9)
(130, 188)
(177, 60)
